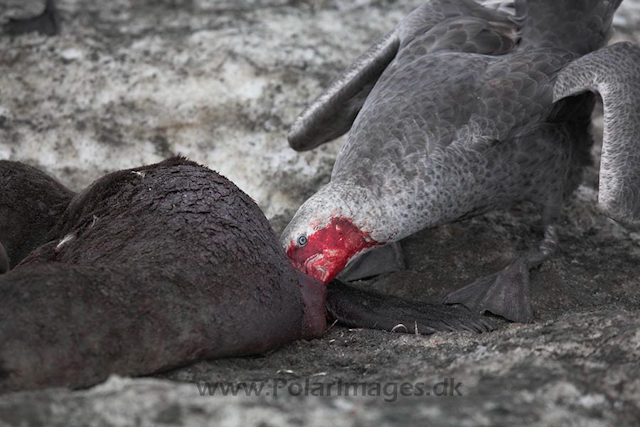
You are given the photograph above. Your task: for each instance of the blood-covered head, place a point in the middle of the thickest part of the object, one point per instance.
(320, 240)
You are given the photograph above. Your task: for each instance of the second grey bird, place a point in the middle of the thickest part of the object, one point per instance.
(462, 109)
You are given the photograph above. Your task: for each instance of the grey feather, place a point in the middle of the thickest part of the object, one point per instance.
(507, 7)
(479, 109)
(333, 112)
(613, 72)
(579, 26)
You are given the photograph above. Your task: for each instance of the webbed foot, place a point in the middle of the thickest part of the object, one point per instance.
(506, 293)
(382, 260)
(356, 308)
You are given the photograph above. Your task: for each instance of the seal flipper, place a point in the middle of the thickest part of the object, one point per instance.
(613, 72)
(46, 23)
(353, 307)
(334, 111)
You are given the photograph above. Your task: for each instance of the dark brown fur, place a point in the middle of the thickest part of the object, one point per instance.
(169, 263)
(31, 203)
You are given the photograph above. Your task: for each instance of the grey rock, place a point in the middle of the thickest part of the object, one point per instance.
(580, 369)
(131, 82)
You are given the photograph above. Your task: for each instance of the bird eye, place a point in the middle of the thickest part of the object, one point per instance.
(302, 240)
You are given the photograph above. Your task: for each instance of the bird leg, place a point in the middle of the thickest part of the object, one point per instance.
(381, 260)
(507, 293)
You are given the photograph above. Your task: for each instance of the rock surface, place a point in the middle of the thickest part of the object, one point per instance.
(132, 82)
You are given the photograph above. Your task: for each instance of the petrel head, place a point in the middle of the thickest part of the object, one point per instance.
(325, 235)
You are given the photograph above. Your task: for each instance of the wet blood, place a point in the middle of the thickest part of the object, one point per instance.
(329, 249)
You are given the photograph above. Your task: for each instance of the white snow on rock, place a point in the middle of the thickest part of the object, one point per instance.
(219, 82)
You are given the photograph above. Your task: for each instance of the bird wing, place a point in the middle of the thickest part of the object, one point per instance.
(614, 73)
(515, 93)
(457, 25)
